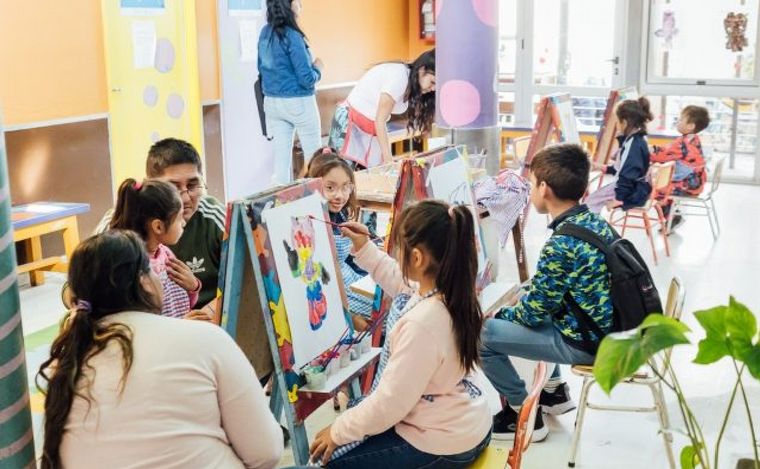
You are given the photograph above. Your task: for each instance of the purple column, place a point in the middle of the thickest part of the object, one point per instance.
(467, 35)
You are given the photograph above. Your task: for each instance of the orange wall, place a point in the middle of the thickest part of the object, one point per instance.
(51, 60)
(52, 64)
(352, 35)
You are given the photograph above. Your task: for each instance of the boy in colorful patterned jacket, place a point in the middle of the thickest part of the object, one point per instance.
(541, 325)
(690, 175)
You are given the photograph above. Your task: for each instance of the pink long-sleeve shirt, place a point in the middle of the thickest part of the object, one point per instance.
(424, 391)
(177, 300)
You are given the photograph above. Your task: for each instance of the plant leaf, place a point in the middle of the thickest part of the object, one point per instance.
(688, 457)
(711, 350)
(752, 360)
(740, 322)
(713, 321)
(621, 354)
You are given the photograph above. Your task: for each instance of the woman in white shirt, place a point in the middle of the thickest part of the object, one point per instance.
(358, 129)
(127, 388)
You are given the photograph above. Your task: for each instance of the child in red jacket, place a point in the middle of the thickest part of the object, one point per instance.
(690, 175)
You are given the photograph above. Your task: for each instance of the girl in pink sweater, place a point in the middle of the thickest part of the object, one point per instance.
(153, 209)
(426, 411)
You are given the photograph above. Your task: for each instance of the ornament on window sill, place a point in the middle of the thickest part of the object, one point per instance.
(668, 29)
(735, 25)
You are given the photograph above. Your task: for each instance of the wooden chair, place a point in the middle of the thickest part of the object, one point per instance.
(495, 457)
(643, 377)
(660, 175)
(703, 202)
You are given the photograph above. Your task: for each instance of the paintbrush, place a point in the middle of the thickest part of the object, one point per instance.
(338, 225)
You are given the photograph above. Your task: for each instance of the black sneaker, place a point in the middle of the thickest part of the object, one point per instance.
(677, 221)
(557, 402)
(505, 423)
(285, 435)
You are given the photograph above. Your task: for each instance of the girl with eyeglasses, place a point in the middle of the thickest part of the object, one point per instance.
(338, 188)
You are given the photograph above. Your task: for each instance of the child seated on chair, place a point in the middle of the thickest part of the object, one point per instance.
(630, 188)
(690, 173)
(571, 273)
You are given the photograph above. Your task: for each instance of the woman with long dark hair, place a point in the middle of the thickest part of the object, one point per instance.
(126, 387)
(359, 128)
(288, 78)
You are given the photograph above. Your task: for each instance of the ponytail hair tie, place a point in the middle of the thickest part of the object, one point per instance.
(451, 211)
(326, 150)
(138, 185)
(82, 305)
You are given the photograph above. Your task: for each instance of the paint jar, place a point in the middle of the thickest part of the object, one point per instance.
(354, 353)
(333, 366)
(315, 377)
(366, 344)
(345, 356)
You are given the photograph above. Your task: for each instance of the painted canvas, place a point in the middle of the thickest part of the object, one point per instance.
(301, 247)
(450, 182)
(569, 126)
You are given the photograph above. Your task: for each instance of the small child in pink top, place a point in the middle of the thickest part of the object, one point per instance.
(153, 209)
(427, 409)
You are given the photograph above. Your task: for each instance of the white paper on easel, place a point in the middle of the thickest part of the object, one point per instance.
(450, 182)
(143, 44)
(248, 40)
(569, 125)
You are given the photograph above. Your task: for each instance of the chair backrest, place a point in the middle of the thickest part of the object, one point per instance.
(661, 176)
(716, 174)
(673, 309)
(521, 145)
(527, 417)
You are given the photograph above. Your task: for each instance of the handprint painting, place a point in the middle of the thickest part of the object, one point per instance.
(310, 288)
(304, 267)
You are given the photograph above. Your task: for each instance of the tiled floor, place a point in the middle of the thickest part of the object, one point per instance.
(711, 272)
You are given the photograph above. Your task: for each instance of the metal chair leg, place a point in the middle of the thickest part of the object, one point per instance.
(625, 225)
(662, 414)
(715, 215)
(582, 403)
(648, 229)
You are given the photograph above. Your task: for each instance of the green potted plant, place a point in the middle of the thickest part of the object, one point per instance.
(731, 331)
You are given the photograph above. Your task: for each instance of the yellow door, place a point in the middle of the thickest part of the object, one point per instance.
(152, 67)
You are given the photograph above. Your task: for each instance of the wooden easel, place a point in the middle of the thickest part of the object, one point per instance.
(605, 140)
(548, 127)
(256, 319)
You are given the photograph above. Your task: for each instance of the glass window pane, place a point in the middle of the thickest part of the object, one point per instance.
(507, 40)
(506, 108)
(732, 131)
(573, 42)
(679, 28)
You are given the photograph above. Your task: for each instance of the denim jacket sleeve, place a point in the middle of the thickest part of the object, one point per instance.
(306, 73)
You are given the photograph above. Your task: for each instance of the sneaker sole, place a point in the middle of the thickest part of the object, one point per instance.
(538, 436)
(559, 409)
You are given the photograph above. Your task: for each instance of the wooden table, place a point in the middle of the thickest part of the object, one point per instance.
(32, 221)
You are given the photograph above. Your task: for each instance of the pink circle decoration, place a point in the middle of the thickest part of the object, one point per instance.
(460, 102)
(438, 6)
(487, 11)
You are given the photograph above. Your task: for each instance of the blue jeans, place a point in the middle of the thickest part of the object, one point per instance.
(502, 339)
(389, 450)
(284, 117)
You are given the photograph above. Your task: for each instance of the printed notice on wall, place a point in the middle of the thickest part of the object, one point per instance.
(143, 44)
(142, 7)
(249, 37)
(245, 7)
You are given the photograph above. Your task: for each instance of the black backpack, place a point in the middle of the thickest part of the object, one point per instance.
(632, 289)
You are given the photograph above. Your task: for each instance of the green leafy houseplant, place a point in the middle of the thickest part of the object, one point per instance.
(731, 331)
